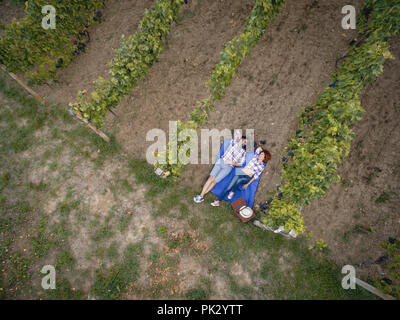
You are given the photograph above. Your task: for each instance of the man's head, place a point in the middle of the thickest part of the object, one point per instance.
(244, 142)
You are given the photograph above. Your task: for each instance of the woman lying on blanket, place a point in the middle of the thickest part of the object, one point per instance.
(246, 175)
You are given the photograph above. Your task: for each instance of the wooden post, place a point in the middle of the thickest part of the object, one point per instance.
(23, 85)
(91, 126)
(374, 290)
(263, 226)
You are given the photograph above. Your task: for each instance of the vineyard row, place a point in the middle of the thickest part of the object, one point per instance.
(39, 53)
(324, 134)
(131, 63)
(261, 16)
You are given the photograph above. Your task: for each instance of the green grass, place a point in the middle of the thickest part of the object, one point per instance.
(111, 283)
(111, 253)
(162, 231)
(144, 174)
(13, 215)
(20, 124)
(104, 232)
(196, 294)
(24, 120)
(201, 292)
(4, 180)
(124, 222)
(162, 275)
(310, 275)
(63, 291)
(37, 187)
(40, 239)
(66, 206)
(105, 150)
(384, 196)
(19, 273)
(64, 260)
(60, 233)
(125, 185)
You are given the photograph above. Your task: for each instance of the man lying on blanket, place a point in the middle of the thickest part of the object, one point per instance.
(243, 181)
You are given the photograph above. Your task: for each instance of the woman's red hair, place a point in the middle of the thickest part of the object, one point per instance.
(267, 155)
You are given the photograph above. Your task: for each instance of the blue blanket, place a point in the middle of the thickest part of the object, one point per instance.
(247, 194)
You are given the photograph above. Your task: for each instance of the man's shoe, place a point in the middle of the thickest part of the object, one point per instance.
(198, 199)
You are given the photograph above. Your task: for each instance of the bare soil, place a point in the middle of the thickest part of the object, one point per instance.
(8, 12)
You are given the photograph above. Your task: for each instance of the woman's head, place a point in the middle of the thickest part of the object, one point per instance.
(264, 156)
